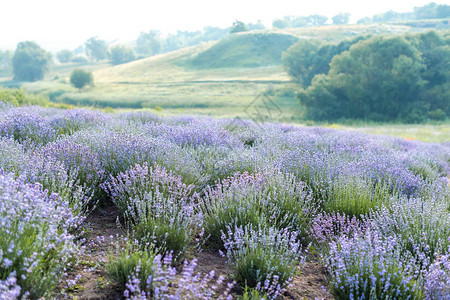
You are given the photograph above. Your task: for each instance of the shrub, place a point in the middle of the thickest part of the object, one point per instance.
(263, 258)
(422, 227)
(163, 284)
(35, 246)
(157, 207)
(355, 197)
(80, 78)
(18, 97)
(371, 267)
(122, 266)
(437, 279)
(257, 200)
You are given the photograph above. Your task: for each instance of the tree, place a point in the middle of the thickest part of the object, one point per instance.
(64, 56)
(378, 79)
(238, 26)
(121, 54)
(317, 20)
(30, 62)
(342, 18)
(6, 60)
(281, 23)
(307, 58)
(256, 26)
(96, 49)
(299, 60)
(300, 21)
(149, 43)
(80, 78)
(432, 11)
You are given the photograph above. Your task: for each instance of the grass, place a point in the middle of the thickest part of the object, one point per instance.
(244, 50)
(431, 133)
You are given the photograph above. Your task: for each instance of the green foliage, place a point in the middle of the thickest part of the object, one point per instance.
(6, 60)
(432, 11)
(245, 50)
(301, 61)
(18, 97)
(341, 18)
(149, 43)
(238, 26)
(265, 259)
(189, 38)
(64, 56)
(96, 49)
(252, 294)
(121, 54)
(80, 78)
(279, 201)
(123, 266)
(307, 58)
(384, 78)
(30, 62)
(356, 197)
(280, 23)
(256, 26)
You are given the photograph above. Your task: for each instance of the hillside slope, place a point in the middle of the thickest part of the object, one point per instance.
(245, 50)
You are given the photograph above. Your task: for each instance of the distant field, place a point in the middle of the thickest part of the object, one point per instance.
(173, 83)
(439, 133)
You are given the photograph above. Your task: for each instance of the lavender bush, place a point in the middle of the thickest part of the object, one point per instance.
(263, 258)
(163, 284)
(371, 267)
(376, 208)
(437, 278)
(35, 243)
(157, 207)
(261, 199)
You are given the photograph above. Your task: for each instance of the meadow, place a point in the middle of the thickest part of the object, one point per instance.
(213, 78)
(142, 206)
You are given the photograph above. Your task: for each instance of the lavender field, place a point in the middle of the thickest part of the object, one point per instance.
(372, 212)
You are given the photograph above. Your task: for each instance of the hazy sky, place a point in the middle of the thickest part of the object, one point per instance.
(58, 24)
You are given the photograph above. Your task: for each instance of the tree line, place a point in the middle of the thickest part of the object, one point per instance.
(381, 78)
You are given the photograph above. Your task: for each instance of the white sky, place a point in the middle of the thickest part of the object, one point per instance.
(59, 24)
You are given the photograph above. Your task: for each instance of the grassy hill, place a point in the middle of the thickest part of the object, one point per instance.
(216, 78)
(245, 50)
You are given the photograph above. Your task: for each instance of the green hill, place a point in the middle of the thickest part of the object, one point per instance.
(247, 50)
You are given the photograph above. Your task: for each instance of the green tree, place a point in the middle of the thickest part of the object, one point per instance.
(64, 56)
(342, 18)
(149, 43)
(435, 49)
(307, 58)
(376, 79)
(281, 23)
(317, 20)
(300, 21)
(238, 26)
(96, 49)
(6, 60)
(300, 59)
(121, 54)
(30, 62)
(256, 26)
(432, 11)
(80, 78)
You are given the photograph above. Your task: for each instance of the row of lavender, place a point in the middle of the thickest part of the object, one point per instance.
(376, 209)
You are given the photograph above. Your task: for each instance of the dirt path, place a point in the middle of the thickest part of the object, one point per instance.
(93, 281)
